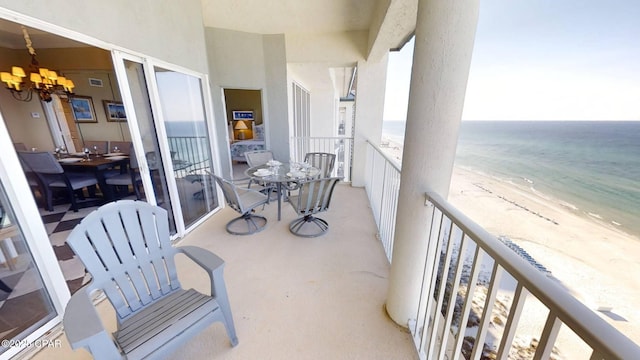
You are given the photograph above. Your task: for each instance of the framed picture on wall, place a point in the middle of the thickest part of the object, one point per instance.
(83, 111)
(242, 115)
(114, 110)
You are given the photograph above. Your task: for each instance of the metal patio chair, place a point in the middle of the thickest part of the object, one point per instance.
(325, 162)
(256, 158)
(313, 197)
(244, 201)
(126, 247)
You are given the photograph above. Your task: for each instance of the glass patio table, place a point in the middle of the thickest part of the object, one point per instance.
(282, 176)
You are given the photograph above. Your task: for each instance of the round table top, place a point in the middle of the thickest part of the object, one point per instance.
(281, 173)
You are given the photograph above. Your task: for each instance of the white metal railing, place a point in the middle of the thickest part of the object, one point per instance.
(341, 146)
(474, 292)
(382, 183)
(189, 153)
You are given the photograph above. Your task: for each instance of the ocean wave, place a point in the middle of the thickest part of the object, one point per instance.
(568, 205)
(615, 223)
(597, 216)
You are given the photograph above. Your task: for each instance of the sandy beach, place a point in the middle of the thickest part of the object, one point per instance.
(598, 263)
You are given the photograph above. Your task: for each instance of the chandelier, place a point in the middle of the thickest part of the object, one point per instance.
(42, 80)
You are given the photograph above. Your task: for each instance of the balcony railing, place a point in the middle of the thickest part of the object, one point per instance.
(341, 146)
(480, 299)
(188, 154)
(382, 183)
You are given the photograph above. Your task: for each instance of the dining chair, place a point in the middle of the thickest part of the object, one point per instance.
(120, 147)
(52, 176)
(101, 146)
(244, 201)
(34, 183)
(129, 177)
(322, 161)
(126, 247)
(313, 197)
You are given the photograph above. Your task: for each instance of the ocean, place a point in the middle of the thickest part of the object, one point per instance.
(593, 168)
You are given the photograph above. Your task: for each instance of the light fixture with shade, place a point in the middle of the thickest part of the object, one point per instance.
(241, 127)
(42, 80)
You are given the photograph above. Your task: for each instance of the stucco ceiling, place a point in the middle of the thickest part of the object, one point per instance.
(286, 16)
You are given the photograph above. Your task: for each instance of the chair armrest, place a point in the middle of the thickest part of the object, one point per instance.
(214, 265)
(205, 258)
(83, 327)
(210, 262)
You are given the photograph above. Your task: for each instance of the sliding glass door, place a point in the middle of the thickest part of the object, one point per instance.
(168, 123)
(186, 128)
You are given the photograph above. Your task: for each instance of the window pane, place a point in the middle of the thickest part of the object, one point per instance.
(185, 122)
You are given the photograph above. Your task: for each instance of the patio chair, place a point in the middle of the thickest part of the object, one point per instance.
(256, 158)
(52, 176)
(322, 161)
(313, 197)
(126, 247)
(244, 201)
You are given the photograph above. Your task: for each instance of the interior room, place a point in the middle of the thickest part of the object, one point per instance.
(82, 127)
(246, 126)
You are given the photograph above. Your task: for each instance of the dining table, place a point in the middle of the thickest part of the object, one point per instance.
(284, 176)
(98, 164)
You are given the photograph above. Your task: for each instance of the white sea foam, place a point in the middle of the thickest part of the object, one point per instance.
(568, 205)
(597, 216)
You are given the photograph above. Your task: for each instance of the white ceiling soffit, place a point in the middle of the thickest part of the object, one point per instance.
(389, 22)
(289, 16)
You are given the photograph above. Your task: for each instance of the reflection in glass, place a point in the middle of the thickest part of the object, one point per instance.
(24, 303)
(185, 122)
(144, 115)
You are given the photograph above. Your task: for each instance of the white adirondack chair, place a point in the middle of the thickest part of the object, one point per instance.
(125, 246)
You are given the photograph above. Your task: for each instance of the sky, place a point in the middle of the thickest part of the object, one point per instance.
(544, 60)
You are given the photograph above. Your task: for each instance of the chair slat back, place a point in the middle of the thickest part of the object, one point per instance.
(41, 162)
(230, 193)
(315, 195)
(258, 157)
(323, 161)
(101, 146)
(124, 147)
(126, 247)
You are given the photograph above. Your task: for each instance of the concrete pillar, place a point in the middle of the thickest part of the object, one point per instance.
(372, 79)
(445, 31)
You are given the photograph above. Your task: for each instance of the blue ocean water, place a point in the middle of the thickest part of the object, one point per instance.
(593, 168)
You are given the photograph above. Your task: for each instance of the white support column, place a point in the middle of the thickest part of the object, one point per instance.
(372, 79)
(445, 31)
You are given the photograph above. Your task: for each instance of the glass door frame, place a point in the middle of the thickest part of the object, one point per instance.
(45, 260)
(17, 190)
(149, 64)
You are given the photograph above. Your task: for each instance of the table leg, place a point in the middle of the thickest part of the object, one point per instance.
(279, 186)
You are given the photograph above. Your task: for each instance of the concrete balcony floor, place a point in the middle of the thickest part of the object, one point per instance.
(292, 297)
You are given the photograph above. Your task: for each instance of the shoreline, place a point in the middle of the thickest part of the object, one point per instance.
(596, 261)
